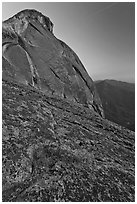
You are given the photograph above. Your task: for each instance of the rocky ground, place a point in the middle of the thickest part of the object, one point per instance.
(56, 150)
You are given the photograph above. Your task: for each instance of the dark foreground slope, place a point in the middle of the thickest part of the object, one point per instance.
(56, 150)
(118, 100)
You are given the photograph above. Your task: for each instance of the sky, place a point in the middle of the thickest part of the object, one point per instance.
(101, 33)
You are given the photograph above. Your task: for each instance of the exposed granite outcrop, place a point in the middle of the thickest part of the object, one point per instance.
(56, 150)
(32, 55)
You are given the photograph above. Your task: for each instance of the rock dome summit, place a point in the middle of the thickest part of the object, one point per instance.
(33, 56)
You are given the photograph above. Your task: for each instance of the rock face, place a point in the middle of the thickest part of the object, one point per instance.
(32, 55)
(118, 100)
(54, 148)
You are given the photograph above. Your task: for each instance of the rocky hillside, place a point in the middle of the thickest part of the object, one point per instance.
(118, 100)
(56, 146)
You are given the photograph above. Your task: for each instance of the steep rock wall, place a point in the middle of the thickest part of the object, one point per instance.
(32, 55)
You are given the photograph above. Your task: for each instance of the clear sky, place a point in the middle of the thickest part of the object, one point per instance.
(101, 33)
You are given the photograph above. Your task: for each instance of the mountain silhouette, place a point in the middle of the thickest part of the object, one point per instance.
(57, 146)
(118, 100)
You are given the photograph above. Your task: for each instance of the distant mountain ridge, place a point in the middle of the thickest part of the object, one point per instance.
(118, 100)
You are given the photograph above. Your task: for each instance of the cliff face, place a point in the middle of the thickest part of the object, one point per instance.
(56, 148)
(32, 55)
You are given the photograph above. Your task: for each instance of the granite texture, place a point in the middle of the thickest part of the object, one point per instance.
(33, 56)
(54, 150)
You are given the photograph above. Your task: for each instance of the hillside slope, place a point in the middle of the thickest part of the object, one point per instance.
(118, 100)
(54, 150)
